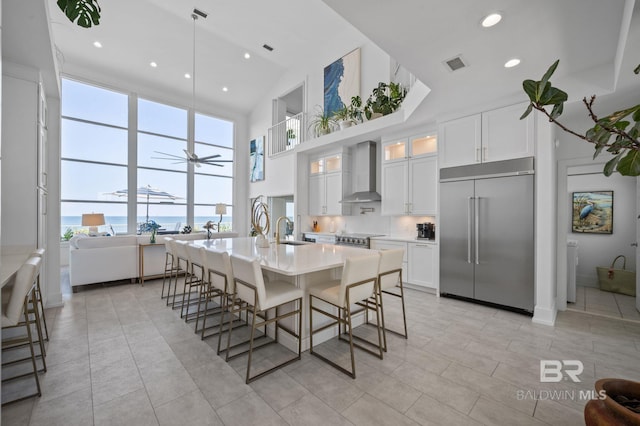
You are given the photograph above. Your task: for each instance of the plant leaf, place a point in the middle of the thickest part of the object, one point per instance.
(529, 87)
(611, 165)
(630, 164)
(528, 111)
(549, 72)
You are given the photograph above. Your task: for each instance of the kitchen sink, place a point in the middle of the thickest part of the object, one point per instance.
(294, 243)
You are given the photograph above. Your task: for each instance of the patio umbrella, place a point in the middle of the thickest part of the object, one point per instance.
(149, 193)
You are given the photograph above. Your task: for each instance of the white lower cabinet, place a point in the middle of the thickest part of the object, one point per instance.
(418, 266)
(421, 264)
(390, 245)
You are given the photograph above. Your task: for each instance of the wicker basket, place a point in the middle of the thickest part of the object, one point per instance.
(617, 280)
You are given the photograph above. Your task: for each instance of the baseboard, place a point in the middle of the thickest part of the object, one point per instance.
(545, 316)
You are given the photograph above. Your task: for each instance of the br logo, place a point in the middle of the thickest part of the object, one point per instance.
(553, 370)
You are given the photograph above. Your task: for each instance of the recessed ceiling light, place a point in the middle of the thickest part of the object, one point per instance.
(153, 64)
(97, 44)
(512, 63)
(187, 75)
(491, 20)
(225, 89)
(247, 55)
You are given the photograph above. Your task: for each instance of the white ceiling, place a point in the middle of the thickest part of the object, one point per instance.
(588, 36)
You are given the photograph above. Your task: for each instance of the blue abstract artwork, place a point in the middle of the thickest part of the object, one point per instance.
(341, 81)
(256, 159)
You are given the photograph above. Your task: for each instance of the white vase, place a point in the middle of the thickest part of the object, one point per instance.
(261, 241)
(344, 124)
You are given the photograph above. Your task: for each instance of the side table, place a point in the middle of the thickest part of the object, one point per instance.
(141, 247)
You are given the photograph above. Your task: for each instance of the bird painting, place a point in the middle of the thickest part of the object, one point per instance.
(586, 210)
(593, 212)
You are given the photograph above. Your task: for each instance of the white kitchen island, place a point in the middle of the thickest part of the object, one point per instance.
(303, 265)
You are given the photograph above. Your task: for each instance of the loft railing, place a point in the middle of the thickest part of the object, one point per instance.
(287, 134)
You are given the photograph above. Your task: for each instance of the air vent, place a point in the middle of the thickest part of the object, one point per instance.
(269, 48)
(455, 63)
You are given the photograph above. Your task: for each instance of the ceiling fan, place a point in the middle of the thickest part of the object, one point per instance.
(192, 158)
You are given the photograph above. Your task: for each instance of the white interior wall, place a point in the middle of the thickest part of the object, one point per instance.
(280, 171)
(600, 249)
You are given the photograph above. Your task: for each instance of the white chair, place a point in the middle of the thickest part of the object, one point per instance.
(40, 308)
(170, 267)
(390, 278)
(359, 282)
(182, 262)
(260, 299)
(218, 285)
(195, 280)
(17, 306)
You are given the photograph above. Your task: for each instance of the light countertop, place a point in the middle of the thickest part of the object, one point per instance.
(12, 258)
(287, 259)
(404, 239)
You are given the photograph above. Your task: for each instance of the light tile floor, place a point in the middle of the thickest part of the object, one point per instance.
(605, 303)
(119, 356)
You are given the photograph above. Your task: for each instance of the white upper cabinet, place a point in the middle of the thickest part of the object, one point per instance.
(505, 136)
(491, 136)
(410, 176)
(460, 141)
(328, 184)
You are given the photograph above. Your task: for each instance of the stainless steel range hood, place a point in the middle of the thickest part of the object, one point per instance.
(364, 174)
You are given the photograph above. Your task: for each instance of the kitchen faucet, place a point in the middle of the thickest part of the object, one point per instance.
(277, 237)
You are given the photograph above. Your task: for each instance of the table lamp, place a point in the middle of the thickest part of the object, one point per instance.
(221, 209)
(93, 220)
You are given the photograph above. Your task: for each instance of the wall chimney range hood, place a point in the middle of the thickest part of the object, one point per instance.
(364, 174)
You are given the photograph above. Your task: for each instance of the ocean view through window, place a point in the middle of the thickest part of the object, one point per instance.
(102, 153)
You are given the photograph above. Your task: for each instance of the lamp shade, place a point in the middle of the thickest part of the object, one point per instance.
(221, 208)
(93, 219)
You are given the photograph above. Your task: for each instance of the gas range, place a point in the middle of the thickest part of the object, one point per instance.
(355, 240)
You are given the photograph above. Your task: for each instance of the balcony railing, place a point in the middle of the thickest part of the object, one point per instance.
(285, 135)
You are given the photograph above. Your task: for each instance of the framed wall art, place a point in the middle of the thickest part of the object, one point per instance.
(592, 212)
(341, 81)
(256, 159)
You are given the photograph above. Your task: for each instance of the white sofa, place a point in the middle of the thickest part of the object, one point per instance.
(103, 259)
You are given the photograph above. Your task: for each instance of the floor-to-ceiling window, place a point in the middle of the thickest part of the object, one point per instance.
(97, 169)
(94, 151)
(213, 183)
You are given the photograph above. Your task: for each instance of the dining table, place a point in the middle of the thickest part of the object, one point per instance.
(300, 263)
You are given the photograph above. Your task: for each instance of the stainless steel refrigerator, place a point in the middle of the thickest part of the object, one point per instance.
(487, 233)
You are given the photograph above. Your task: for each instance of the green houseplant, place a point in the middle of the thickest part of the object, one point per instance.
(86, 12)
(617, 133)
(322, 123)
(384, 99)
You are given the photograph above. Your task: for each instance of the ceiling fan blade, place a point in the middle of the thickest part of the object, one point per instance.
(218, 161)
(168, 156)
(208, 157)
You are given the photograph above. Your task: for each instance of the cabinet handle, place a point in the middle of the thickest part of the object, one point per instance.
(410, 208)
(423, 245)
(477, 155)
(484, 153)
(469, 201)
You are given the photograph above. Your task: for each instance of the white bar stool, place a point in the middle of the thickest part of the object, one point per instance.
(17, 305)
(359, 282)
(260, 299)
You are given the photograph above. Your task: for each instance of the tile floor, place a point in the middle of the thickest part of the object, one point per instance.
(605, 303)
(119, 356)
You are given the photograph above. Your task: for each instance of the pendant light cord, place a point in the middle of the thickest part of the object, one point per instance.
(193, 68)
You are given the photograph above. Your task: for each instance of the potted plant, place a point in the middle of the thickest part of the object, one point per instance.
(322, 123)
(384, 99)
(343, 117)
(355, 109)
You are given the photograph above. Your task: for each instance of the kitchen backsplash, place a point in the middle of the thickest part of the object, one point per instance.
(369, 223)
